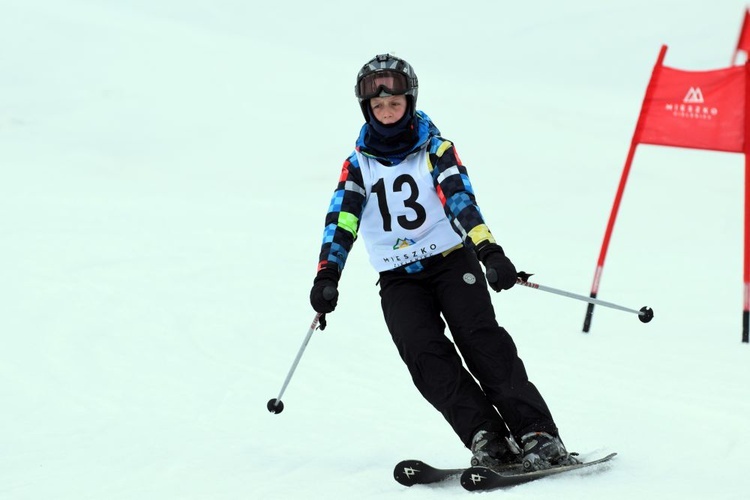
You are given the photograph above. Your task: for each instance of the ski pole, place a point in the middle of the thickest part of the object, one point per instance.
(275, 405)
(645, 314)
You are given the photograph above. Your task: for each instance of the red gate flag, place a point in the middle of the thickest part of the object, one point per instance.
(694, 109)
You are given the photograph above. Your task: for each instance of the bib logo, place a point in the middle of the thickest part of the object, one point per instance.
(406, 242)
(409, 254)
(693, 106)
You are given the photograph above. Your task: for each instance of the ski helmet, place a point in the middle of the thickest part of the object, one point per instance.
(386, 75)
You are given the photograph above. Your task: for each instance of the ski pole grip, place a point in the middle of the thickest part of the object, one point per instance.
(491, 275)
(330, 292)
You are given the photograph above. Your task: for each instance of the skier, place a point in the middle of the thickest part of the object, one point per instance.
(405, 190)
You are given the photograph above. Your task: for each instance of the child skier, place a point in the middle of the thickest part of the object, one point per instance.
(405, 190)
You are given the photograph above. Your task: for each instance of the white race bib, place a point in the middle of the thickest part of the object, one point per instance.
(403, 220)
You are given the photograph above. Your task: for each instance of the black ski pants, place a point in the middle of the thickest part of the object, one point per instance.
(495, 392)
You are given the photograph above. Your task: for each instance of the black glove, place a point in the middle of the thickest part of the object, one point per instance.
(324, 294)
(500, 271)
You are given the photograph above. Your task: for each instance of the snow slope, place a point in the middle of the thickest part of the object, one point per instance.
(164, 172)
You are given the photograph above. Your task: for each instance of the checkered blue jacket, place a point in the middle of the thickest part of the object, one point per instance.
(452, 187)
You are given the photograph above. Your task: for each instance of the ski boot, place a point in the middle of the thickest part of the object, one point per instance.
(543, 451)
(493, 450)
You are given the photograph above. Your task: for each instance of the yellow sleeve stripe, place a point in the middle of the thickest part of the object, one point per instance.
(481, 233)
(445, 145)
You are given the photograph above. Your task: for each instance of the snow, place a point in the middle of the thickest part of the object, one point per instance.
(165, 169)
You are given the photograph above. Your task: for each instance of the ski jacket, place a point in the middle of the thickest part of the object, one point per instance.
(413, 206)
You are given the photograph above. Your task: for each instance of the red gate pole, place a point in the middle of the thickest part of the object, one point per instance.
(621, 189)
(746, 272)
(746, 263)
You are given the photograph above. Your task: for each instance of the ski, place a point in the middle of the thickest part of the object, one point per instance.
(411, 472)
(483, 478)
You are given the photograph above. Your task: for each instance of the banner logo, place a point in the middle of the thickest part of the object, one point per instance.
(693, 106)
(694, 95)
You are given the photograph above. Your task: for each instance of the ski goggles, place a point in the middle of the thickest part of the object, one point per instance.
(392, 82)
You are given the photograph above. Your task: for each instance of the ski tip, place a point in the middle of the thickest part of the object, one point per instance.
(411, 472)
(406, 471)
